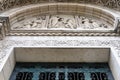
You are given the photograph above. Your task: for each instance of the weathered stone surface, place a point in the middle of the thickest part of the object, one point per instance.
(44, 19)
(11, 42)
(61, 22)
(7, 4)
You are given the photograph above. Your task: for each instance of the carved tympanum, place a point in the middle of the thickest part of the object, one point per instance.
(61, 22)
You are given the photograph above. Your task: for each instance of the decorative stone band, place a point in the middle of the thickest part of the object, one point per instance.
(21, 14)
(63, 34)
(7, 4)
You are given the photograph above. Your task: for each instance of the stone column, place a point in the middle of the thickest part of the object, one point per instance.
(2, 30)
(117, 30)
(119, 26)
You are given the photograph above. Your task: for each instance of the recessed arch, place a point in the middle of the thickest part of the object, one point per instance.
(17, 15)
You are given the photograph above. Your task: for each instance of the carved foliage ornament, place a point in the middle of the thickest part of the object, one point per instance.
(7, 4)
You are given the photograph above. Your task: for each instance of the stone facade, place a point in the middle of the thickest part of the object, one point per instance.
(7, 4)
(79, 20)
(56, 39)
(9, 43)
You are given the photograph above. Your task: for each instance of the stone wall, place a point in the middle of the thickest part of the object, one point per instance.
(7, 61)
(7, 4)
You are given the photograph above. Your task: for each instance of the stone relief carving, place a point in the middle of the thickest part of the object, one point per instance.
(91, 23)
(7, 4)
(61, 22)
(37, 23)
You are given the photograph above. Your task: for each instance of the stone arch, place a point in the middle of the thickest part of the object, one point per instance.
(22, 13)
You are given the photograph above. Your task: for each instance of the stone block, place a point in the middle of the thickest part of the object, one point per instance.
(97, 12)
(1, 75)
(62, 55)
(53, 9)
(62, 8)
(114, 64)
(81, 9)
(44, 9)
(72, 8)
(88, 11)
(12, 60)
(7, 70)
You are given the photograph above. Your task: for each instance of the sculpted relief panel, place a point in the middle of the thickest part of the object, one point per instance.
(35, 23)
(90, 23)
(61, 22)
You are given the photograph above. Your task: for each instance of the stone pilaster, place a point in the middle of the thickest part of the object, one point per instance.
(4, 23)
(117, 30)
(1, 30)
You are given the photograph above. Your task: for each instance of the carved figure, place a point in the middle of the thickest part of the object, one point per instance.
(103, 25)
(95, 24)
(27, 25)
(70, 24)
(88, 23)
(61, 22)
(34, 23)
(56, 22)
(53, 21)
(39, 22)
